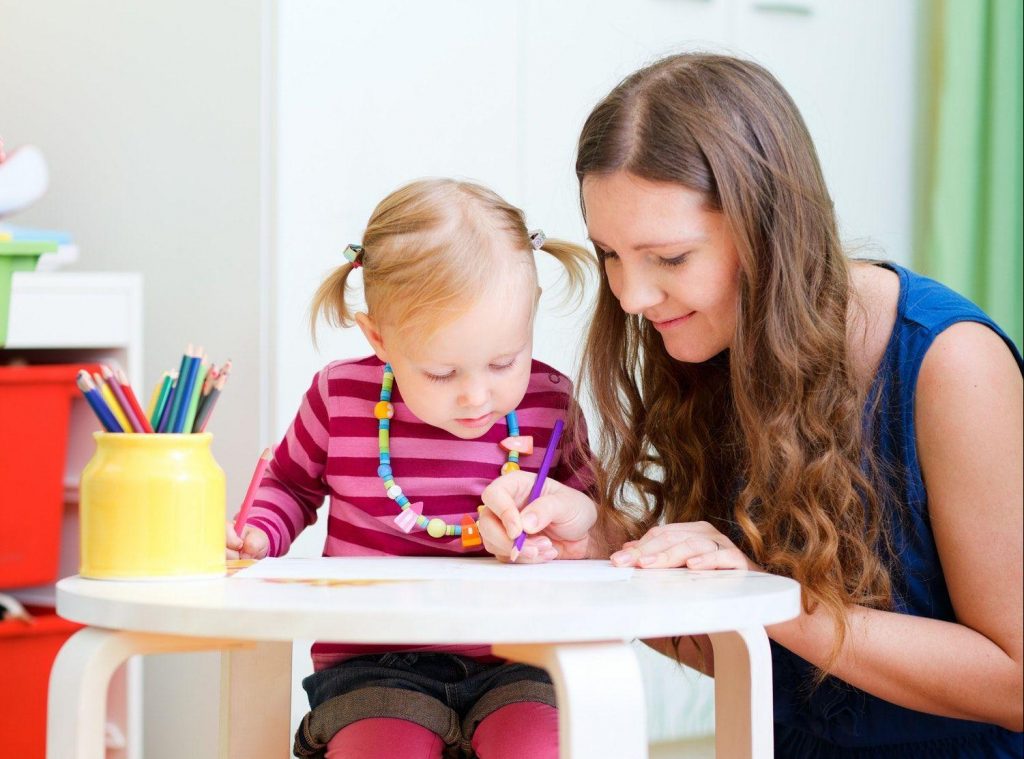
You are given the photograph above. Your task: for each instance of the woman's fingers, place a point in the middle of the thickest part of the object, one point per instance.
(690, 544)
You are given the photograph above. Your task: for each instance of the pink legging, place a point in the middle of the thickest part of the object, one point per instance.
(527, 729)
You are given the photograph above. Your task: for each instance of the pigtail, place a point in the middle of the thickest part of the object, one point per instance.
(578, 263)
(330, 302)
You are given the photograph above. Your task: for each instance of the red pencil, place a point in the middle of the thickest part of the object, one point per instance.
(129, 394)
(250, 494)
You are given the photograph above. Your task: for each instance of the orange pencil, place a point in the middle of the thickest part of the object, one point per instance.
(250, 494)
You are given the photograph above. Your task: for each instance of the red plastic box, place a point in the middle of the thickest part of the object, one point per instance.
(35, 405)
(27, 652)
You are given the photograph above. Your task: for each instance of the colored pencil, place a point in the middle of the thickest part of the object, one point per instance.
(193, 404)
(538, 484)
(186, 360)
(151, 408)
(165, 414)
(111, 401)
(187, 384)
(211, 400)
(162, 391)
(133, 400)
(99, 406)
(122, 400)
(250, 493)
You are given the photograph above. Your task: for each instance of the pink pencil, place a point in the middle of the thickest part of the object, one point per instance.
(250, 494)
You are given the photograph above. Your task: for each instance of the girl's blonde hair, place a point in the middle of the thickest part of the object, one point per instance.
(430, 248)
(766, 440)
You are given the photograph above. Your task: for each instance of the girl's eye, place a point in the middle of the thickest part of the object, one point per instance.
(673, 261)
(502, 367)
(440, 377)
(605, 255)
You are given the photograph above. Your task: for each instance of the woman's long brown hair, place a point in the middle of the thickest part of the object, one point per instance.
(765, 441)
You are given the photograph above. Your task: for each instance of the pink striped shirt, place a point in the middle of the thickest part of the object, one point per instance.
(331, 450)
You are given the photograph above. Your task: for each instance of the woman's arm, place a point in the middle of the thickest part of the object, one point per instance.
(969, 437)
(969, 412)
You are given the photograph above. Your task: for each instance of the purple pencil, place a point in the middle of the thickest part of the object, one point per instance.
(538, 484)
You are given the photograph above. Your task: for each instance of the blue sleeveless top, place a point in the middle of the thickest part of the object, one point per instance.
(836, 720)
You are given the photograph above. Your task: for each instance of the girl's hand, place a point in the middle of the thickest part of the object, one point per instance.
(557, 524)
(696, 545)
(253, 544)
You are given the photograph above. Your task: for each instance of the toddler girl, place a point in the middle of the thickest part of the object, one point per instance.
(403, 442)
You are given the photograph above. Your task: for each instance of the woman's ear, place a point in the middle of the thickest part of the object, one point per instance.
(371, 331)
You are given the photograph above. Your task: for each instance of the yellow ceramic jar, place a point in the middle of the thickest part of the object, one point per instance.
(152, 507)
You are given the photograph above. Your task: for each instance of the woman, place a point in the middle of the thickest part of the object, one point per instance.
(768, 404)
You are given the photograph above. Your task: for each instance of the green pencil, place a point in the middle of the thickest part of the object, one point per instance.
(197, 391)
(161, 400)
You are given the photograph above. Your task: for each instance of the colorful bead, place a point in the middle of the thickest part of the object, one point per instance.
(411, 515)
(518, 444)
(436, 528)
(470, 532)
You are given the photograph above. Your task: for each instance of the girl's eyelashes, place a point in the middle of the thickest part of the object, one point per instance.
(445, 377)
(605, 255)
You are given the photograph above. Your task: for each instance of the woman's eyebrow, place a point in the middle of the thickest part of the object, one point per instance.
(681, 242)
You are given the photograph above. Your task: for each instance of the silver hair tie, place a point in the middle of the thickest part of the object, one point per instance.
(354, 254)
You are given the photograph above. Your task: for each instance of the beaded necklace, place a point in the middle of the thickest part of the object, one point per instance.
(409, 515)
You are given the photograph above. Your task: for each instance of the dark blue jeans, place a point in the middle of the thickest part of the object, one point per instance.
(447, 694)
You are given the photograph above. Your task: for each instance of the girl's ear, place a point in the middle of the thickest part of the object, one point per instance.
(371, 331)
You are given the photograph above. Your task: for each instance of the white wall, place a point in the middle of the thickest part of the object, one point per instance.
(149, 116)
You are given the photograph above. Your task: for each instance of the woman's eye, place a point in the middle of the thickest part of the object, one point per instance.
(439, 377)
(605, 255)
(675, 261)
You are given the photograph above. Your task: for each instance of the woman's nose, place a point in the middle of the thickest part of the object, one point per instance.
(635, 290)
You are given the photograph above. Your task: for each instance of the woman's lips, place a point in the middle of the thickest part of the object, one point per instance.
(668, 324)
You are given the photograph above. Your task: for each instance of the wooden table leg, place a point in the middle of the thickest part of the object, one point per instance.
(77, 701)
(743, 695)
(255, 697)
(601, 711)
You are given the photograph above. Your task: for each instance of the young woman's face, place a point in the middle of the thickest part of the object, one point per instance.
(471, 372)
(667, 258)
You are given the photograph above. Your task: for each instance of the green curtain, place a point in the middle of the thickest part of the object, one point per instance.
(968, 226)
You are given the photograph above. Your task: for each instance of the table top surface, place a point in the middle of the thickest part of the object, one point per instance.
(652, 603)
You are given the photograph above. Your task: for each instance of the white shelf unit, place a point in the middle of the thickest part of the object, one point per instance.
(58, 317)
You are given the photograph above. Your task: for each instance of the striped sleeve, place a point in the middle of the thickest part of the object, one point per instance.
(294, 486)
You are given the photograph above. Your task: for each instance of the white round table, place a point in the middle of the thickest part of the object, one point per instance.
(578, 631)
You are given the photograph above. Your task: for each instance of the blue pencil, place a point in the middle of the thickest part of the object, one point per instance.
(99, 406)
(186, 360)
(538, 484)
(185, 394)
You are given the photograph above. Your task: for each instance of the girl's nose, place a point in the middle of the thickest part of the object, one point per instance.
(473, 393)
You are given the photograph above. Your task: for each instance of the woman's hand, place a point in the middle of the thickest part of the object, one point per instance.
(253, 544)
(696, 545)
(557, 524)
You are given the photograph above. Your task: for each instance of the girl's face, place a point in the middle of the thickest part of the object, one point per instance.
(667, 258)
(471, 372)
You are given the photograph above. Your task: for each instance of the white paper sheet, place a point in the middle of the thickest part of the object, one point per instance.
(419, 568)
